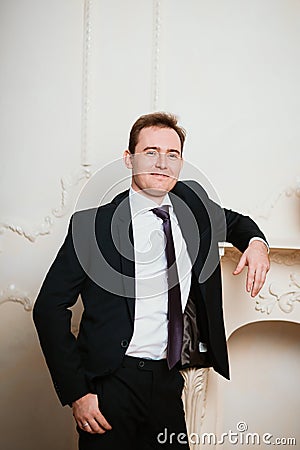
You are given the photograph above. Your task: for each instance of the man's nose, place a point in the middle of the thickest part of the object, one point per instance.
(161, 161)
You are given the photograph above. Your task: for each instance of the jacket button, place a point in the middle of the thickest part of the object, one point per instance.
(124, 343)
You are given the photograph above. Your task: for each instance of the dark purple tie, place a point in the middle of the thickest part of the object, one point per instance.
(175, 324)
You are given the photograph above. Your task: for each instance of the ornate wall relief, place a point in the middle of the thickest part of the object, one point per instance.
(13, 294)
(264, 210)
(286, 301)
(194, 397)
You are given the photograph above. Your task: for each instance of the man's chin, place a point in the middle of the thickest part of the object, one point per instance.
(155, 192)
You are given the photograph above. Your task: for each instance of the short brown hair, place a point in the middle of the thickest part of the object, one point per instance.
(157, 119)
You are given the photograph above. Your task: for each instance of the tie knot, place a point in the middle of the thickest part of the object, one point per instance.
(161, 213)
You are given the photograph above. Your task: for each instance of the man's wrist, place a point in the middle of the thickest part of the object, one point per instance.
(260, 240)
(77, 400)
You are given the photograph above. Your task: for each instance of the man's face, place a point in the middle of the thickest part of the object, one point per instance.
(156, 163)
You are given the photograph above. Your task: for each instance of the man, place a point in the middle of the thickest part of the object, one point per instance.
(147, 269)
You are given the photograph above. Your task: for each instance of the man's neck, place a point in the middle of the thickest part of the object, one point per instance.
(152, 194)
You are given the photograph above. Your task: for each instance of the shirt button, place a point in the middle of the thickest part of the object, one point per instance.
(141, 364)
(124, 343)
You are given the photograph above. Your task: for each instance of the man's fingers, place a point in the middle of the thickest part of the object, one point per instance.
(96, 424)
(241, 265)
(88, 415)
(102, 421)
(95, 428)
(258, 282)
(85, 426)
(258, 265)
(250, 279)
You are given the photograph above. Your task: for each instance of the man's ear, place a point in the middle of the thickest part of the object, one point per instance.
(127, 159)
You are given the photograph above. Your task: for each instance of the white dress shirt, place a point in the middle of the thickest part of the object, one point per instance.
(150, 334)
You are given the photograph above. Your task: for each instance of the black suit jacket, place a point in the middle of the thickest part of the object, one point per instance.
(96, 261)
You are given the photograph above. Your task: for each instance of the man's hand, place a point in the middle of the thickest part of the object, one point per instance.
(88, 416)
(257, 259)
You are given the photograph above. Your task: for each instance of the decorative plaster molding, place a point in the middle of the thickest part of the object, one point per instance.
(30, 234)
(194, 397)
(85, 108)
(70, 181)
(13, 294)
(286, 301)
(45, 227)
(265, 209)
(67, 185)
(156, 52)
(285, 256)
(231, 254)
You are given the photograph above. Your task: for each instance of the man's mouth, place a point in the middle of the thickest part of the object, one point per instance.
(159, 174)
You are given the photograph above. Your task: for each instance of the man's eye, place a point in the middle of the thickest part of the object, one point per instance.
(173, 155)
(151, 153)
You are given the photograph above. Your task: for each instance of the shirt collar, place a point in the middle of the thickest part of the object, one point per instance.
(141, 204)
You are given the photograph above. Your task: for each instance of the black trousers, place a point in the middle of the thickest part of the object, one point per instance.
(142, 402)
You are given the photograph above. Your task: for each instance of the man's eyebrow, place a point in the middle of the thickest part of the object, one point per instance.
(151, 148)
(174, 150)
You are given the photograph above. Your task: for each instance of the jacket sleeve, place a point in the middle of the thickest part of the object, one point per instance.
(52, 319)
(228, 225)
(240, 229)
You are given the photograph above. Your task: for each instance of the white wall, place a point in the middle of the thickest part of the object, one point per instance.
(74, 76)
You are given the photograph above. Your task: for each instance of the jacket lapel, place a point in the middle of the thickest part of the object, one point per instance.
(122, 235)
(191, 232)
